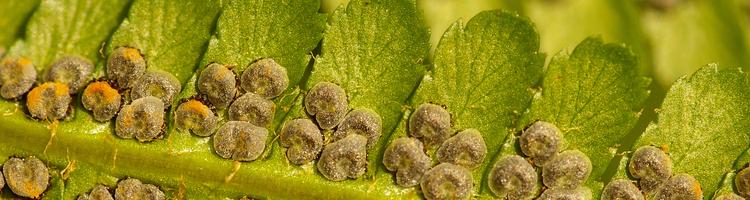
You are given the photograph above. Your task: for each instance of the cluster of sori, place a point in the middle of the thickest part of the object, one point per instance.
(343, 155)
(563, 172)
(243, 137)
(50, 100)
(29, 178)
(127, 189)
(148, 92)
(430, 130)
(652, 168)
(139, 98)
(151, 93)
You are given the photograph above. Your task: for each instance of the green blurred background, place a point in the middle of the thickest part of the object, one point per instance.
(673, 38)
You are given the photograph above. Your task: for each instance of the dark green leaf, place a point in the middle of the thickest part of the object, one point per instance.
(284, 30)
(594, 95)
(68, 28)
(13, 15)
(703, 124)
(374, 50)
(171, 34)
(484, 73)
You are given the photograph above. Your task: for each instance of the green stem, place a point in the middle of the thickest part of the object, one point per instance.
(180, 159)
